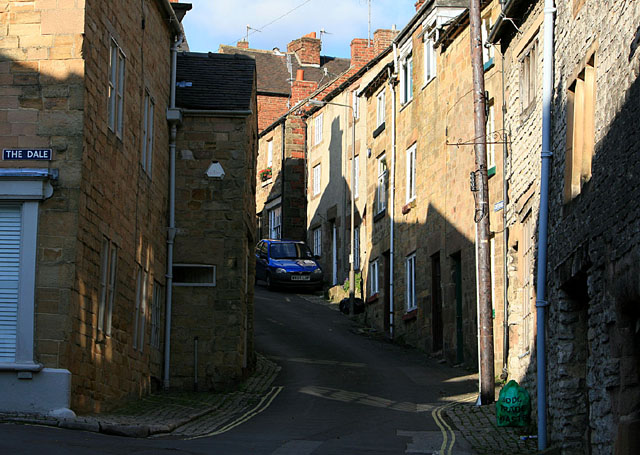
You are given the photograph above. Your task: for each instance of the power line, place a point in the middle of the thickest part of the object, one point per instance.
(270, 23)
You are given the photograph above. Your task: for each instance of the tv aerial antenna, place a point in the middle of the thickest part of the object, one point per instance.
(249, 28)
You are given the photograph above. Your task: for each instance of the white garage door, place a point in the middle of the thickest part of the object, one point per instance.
(10, 239)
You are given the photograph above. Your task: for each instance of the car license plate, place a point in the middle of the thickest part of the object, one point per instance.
(300, 278)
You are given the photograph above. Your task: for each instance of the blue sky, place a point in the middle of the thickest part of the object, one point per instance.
(214, 22)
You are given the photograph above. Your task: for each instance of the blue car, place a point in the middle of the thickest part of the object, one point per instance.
(287, 263)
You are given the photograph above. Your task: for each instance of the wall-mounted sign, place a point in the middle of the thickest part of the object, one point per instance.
(498, 206)
(26, 154)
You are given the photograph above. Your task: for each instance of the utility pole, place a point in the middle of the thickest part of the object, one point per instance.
(485, 318)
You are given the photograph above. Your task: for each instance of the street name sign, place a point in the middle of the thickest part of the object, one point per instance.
(26, 154)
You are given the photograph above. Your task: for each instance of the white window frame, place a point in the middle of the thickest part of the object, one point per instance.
(156, 314)
(406, 79)
(411, 174)
(142, 283)
(528, 75)
(410, 278)
(381, 189)
(148, 132)
(373, 277)
(380, 108)
(490, 140)
(275, 223)
(355, 104)
(356, 176)
(317, 241)
(317, 179)
(488, 52)
(29, 192)
(117, 64)
(430, 66)
(108, 274)
(270, 153)
(317, 128)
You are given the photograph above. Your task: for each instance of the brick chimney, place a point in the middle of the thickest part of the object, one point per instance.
(383, 38)
(361, 52)
(307, 49)
(419, 3)
(243, 44)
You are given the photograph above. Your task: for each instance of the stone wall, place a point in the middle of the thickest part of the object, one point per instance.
(594, 242)
(216, 226)
(120, 201)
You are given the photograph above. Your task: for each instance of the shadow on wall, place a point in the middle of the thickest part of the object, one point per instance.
(593, 334)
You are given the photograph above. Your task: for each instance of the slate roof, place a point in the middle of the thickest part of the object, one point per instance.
(218, 81)
(273, 76)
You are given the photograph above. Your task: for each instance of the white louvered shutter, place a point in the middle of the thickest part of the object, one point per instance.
(10, 239)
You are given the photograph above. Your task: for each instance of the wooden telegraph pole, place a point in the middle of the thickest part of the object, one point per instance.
(480, 184)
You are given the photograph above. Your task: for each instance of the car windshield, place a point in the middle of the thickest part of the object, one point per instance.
(290, 251)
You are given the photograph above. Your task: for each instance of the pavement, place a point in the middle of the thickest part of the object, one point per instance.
(189, 415)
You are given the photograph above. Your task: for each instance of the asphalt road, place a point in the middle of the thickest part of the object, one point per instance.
(340, 391)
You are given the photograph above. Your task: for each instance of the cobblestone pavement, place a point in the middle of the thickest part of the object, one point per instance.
(175, 414)
(477, 424)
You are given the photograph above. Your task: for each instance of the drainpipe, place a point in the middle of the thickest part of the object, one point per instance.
(171, 231)
(541, 302)
(283, 173)
(392, 187)
(505, 233)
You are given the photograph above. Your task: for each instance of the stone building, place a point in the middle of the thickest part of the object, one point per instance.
(281, 188)
(330, 146)
(593, 323)
(215, 182)
(420, 266)
(85, 202)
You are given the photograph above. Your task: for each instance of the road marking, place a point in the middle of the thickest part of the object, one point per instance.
(448, 435)
(299, 447)
(264, 403)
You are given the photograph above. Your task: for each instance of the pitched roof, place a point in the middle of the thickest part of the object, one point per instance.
(273, 75)
(217, 81)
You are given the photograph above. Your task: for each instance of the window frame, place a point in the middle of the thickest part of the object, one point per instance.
(580, 130)
(374, 281)
(148, 132)
(381, 189)
(115, 102)
(356, 247)
(410, 283)
(140, 310)
(317, 179)
(411, 173)
(490, 128)
(108, 274)
(430, 66)
(488, 51)
(316, 236)
(270, 153)
(156, 314)
(317, 128)
(406, 79)
(528, 75)
(275, 222)
(356, 176)
(380, 108)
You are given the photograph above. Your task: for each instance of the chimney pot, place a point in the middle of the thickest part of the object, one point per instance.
(300, 75)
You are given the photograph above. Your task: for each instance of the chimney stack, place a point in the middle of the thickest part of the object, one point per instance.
(419, 3)
(243, 44)
(307, 49)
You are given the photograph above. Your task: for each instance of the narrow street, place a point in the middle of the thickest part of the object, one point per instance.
(340, 391)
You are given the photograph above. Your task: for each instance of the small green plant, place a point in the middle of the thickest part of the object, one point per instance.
(358, 280)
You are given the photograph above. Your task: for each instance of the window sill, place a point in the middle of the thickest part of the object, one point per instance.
(490, 64)
(405, 104)
(267, 182)
(378, 130)
(410, 315)
(491, 171)
(378, 216)
(428, 82)
(373, 298)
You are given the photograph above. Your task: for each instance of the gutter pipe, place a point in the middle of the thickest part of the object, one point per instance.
(541, 302)
(392, 202)
(171, 231)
